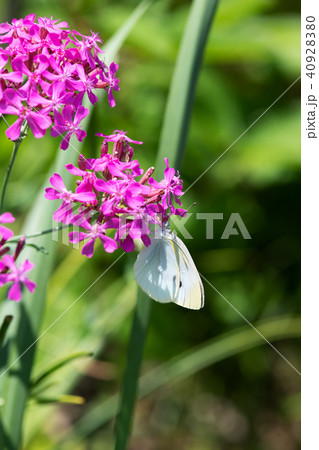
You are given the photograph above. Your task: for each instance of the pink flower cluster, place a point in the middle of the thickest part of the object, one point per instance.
(45, 72)
(113, 193)
(10, 271)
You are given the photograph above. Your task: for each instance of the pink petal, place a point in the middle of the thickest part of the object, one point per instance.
(27, 266)
(43, 121)
(84, 197)
(8, 109)
(155, 184)
(111, 98)
(113, 68)
(51, 194)
(80, 114)
(101, 185)
(88, 248)
(80, 134)
(108, 243)
(4, 277)
(146, 240)
(5, 233)
(33, 121)
(6, 218)
(30, 285)
(16, 77)
(12, 97)
(77, 236)
(128, 244)
(66, 141)
(68, 113)
(9, 262)
(64, 214)
(75, 170)
(57, 182)
(13, 132)
(15, 292)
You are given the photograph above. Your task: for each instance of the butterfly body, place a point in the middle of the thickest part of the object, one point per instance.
(166, 271)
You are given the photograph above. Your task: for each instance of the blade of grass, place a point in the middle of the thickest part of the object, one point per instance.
(119, 296)
(172, 144)
(56, 366)
(132, 372)
(15, 370)
(63, 398)
(4, 327)
(187, 364)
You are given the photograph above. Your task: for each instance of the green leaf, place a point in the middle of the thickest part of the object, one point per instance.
(4, 327)
(16, 359)
(56, 366)
(187, 364)
(181, 95)
(172, 145)
(63, 398)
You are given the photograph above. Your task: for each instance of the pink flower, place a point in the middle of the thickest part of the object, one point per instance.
(52, 26)
(64, 213)
(117, 136)
(65, 122)
(50, 67)
(38, 121)
(94, 232)
(55, 102)
(110, 82)
(127, 171)
(88, 84)
(17, 277)
(119, 191)
(5, 232)
(85, 46)
(170, 185)
(121, 200)
(35, 78)
(121, 149)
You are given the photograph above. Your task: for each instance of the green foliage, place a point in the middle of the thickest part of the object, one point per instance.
(252, 56)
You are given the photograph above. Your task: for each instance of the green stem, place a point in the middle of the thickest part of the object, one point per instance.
(37, 234)
(134, 361)
(17, 144)
(5, 121)
(172, 143)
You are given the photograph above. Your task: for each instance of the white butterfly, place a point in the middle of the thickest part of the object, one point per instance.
(166, 271)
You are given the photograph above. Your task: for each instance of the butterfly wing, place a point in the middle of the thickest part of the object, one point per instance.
(156, 270)
(191, 292)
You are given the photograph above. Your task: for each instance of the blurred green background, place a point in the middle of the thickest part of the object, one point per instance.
(248, 401)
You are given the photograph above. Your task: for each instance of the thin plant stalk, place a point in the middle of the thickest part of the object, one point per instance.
(134, 361)
(172, 144)
(37, 234)
(16, 146)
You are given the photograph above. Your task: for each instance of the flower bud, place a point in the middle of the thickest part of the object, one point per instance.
(4, 250)
(147, 175)
(82, 162)
(107, 174)
(19, 248)
(127, 153)
(118, 149)
(43, 33)
(104, 148)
